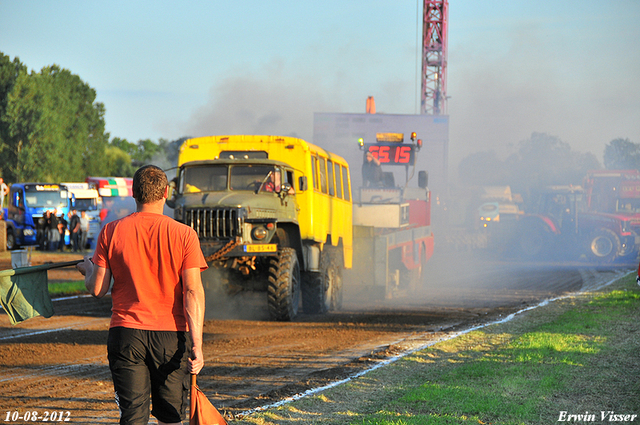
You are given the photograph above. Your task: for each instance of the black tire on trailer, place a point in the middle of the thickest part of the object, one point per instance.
(603, 246)
(323, 291)
(283, 292)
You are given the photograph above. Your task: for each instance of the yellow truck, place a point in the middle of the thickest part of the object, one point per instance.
(274, 213)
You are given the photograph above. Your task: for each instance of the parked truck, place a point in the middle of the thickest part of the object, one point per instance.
(276, 215)
(27, 205)
(86, 199)
(114, 196)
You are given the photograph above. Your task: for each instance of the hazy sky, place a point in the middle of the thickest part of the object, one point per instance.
(168, 69)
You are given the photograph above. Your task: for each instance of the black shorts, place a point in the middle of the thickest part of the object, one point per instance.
(148, 364)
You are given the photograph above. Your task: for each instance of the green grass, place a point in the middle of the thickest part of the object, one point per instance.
(58, 289)
(574, 355)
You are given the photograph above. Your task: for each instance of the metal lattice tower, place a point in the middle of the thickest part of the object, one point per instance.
(434, 57)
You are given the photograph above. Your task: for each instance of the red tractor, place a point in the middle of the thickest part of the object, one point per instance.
(562, 228)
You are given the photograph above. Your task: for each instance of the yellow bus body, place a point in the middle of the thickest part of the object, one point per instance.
(324, 207)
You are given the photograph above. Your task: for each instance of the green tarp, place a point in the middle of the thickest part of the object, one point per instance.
(24, 292)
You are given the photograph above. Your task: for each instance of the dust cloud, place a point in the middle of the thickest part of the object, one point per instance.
(273, 103)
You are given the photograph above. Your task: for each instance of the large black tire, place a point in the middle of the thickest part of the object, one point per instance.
(11, 240)
(533, 243)
(629, 252)
(283, 292)
(603, 246)
(323, 291)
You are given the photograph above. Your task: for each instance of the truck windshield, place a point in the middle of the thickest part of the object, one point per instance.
(252, 177)
(90, 204)
(204, 179)
(215, 178)
(628, 205)
(46, 198)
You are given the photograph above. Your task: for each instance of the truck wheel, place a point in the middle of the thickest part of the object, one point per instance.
(283, 293)
(11, 240)
(603, 246)
(323, 291)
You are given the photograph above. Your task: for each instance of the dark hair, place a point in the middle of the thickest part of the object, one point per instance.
(149, 184)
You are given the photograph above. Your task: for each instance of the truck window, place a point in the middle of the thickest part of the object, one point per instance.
(249, 177)
(330, 182)
(338, 181)
(47, 198)
(345, 184)
(322, 174)
(204, 179)
(314, 168)
(86, 204)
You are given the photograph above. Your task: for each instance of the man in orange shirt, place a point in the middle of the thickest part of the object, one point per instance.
(155, 335)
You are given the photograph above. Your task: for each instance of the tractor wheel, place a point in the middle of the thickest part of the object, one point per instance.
(283, 292)
(11, 240)
(603, 246)
(533, 243)
(323, 291)
(629, 252)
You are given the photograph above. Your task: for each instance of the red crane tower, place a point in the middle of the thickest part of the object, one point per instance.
(434, 57)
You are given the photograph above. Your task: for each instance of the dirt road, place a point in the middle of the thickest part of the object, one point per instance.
(59, 364)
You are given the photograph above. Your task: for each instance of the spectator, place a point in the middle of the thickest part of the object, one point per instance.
(4, 190)
(84, 229)
(62, 229)
(54, 233)
(74, 229)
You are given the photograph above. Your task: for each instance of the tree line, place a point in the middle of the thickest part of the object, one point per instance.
(52, 129)
(544, 160)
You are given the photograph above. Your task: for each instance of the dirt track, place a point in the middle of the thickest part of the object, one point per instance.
(60, 363)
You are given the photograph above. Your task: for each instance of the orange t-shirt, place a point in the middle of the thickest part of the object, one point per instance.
(146, 254)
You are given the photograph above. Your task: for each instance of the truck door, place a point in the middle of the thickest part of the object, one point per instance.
(16, 206)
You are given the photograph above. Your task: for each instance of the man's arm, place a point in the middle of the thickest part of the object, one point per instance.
(97, 279)
(194, 310)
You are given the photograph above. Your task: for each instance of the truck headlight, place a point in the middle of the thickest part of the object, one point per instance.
(28, 232)
(259, 233)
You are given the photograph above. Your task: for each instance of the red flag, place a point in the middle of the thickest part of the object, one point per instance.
(202, 411)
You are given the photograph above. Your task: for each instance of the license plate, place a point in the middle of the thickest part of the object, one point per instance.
(271, 247)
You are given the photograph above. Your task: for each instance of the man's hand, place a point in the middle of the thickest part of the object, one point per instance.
(196, 362)
(85, 267)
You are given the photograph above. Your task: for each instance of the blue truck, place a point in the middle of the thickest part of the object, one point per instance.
(27, 204)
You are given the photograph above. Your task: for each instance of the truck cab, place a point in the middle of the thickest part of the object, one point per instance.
(272, 213)
(27, 205)
(86, 199)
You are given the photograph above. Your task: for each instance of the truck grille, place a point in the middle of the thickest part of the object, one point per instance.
(218, 223)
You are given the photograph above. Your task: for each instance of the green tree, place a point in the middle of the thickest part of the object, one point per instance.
(542, 160)
(9, 71)
(146, 151)
(622, 154)
(56, 129)
(118, 162)
(124, 145)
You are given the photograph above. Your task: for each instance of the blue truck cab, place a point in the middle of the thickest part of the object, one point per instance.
(27, 205)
